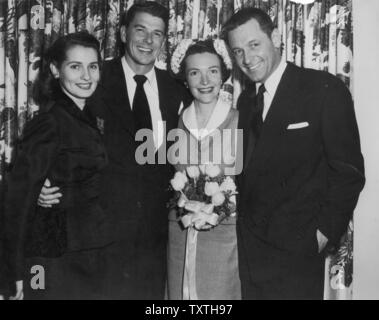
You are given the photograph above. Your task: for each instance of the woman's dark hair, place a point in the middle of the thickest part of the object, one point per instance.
(202, 46)
(46, 86)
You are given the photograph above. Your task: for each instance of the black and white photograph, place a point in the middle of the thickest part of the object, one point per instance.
(189, 150)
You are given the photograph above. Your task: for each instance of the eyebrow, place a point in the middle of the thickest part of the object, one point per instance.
(79, 62)
(249, 43)
(211, 67)
(144, 27)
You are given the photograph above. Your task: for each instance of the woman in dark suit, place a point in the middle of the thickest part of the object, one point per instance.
(58, 251)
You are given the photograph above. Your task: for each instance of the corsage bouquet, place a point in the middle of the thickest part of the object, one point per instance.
(204, 196)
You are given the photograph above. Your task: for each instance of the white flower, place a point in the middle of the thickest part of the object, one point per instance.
(228, 185)
(207, 208)
(225, 96)
(211, 188)
(212, 170)
(222, 50)
(218, 199)
(202, 168)
(182, 201)
(179, 181)
(193, 171)
(178, 54)
(193, 206)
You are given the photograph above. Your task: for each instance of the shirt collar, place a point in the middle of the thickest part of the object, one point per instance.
(129, 73)
(272, 82)
(219, 114)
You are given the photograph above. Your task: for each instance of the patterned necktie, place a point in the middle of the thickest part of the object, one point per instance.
(141, 110)
(257, 121)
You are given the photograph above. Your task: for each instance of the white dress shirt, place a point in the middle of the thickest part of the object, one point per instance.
(271, 85)
(152, 95)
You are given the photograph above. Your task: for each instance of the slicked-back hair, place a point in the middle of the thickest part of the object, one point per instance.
(244, 15)
(151, 7)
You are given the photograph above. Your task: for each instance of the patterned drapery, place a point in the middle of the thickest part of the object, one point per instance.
(317, 35)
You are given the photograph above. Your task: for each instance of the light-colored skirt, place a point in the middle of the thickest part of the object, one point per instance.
(217, 276)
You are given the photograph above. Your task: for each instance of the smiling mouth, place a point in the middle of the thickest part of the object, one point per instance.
(254, 67)
(145, 50)
(206, 90)
(84, 86)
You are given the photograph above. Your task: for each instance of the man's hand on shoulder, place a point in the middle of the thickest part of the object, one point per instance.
(49, 195)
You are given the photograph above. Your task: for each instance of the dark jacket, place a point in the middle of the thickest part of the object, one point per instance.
(63, 144)
(133, 191)
(296, 181)
(135, 195)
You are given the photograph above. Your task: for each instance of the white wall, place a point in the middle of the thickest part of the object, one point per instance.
(366, 95)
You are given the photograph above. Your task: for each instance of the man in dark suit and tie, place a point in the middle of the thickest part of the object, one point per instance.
(303, 167)
(134, 95)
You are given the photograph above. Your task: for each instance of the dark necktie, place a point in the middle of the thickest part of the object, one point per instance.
(257, 121)
(141, 110)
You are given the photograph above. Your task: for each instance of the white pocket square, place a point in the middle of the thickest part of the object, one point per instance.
(298, 125)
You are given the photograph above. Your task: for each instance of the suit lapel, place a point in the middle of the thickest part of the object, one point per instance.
(167, 102)
(163, 94)
(276, 120)
(117, 95)
(244, 122)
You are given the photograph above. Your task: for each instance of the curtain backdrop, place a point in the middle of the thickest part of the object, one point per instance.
(317, 36)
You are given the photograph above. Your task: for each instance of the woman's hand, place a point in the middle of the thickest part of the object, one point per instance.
(19, 291)
(49, 195)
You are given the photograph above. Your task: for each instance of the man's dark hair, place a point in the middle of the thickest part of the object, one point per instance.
(151, 7)
(244, 15)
